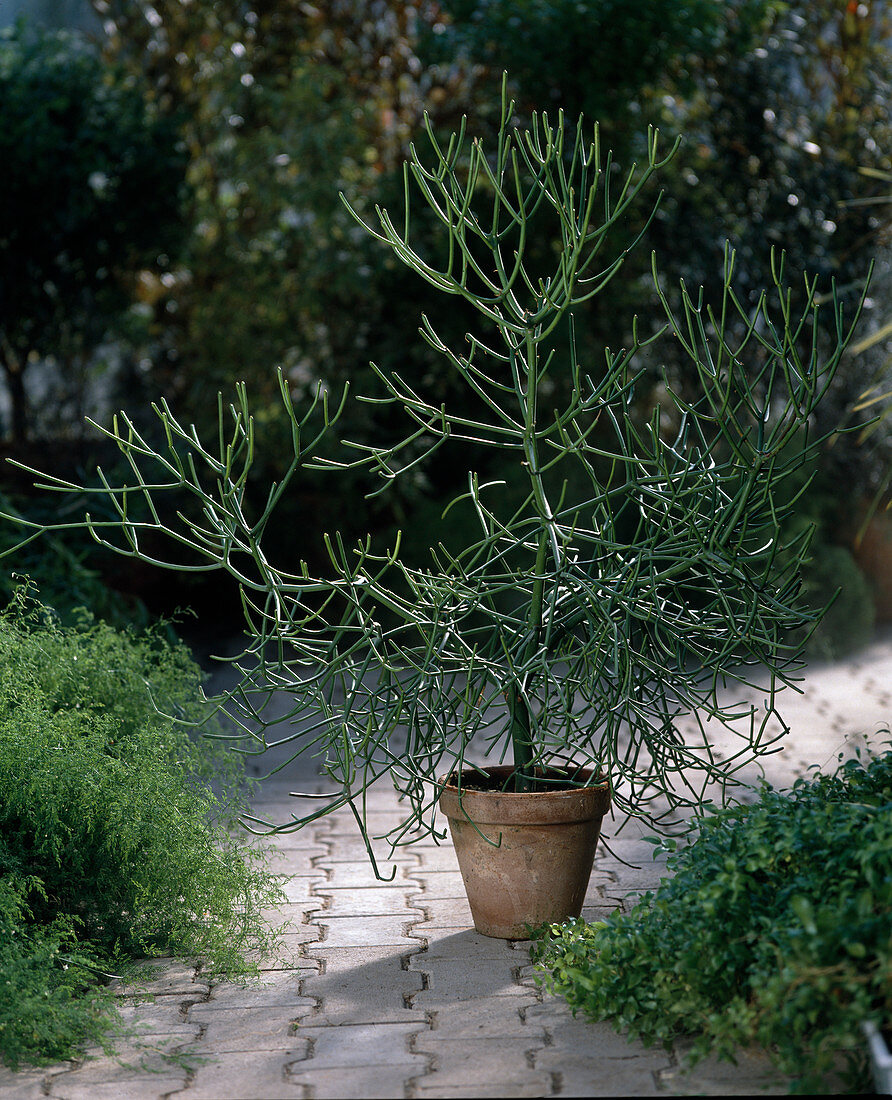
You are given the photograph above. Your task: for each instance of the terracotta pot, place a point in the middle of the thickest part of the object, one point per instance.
(534, 865)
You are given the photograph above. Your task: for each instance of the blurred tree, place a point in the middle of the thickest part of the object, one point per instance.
(284, 105)
(50, 14)
(780, 104)
(786, 147)
(89, 195)
(595, 57)
(614, 63)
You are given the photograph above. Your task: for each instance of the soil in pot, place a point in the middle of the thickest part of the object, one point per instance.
(525, 858)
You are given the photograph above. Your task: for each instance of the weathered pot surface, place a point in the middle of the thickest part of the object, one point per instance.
(525, 858)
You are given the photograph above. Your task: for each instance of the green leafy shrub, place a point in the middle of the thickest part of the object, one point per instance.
(112, 844)
(774, 930)
(135, 676)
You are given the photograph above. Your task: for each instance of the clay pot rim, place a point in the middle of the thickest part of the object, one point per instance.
(526, 808)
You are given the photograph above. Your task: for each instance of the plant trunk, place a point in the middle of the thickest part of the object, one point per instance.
(521, 740)
(521, 725)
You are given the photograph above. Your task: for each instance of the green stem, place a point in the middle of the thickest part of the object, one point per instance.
(521, 740)
(520, 727)
(520, 719)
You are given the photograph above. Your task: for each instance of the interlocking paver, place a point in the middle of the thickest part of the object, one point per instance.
(443, 913)
(463, 944)
(439, 858)
(363, 985)
(449, 980)
(277, 988)
(533, 1085)
(138, 1087)
(382, 989)
(461, 1064)
(300, 890)
(441, 884)
(297, 921)
(161, 1017)
(349, 1082)
(165, 978)
(366, 1044)
(570, 1036)
(245, 1029)
(578, 1075)
(371, 901)
(26, 1084)
(357, 872)
(264, 1075)
(385, 931)
(103, 1075)
(752, 1075)
(475, 1020)
(288, 955)
(285, 850)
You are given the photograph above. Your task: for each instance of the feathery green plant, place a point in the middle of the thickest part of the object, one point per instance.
(639, 574)
(112, 846)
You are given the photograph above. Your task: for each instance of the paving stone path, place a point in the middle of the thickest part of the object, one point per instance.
(383, 989)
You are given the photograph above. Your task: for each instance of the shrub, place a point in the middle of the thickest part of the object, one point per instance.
(112, 844)
(774, 930)
(50, 1004)
(135, 676)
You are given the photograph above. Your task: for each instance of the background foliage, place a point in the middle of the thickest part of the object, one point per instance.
(89, 197)
(784, 110)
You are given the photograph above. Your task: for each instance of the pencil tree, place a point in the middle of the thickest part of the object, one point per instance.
(625, 573)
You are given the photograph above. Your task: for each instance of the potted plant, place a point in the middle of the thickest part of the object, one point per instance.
(625, 569)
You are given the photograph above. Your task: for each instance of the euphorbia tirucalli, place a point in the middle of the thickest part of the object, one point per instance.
(629, 572)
